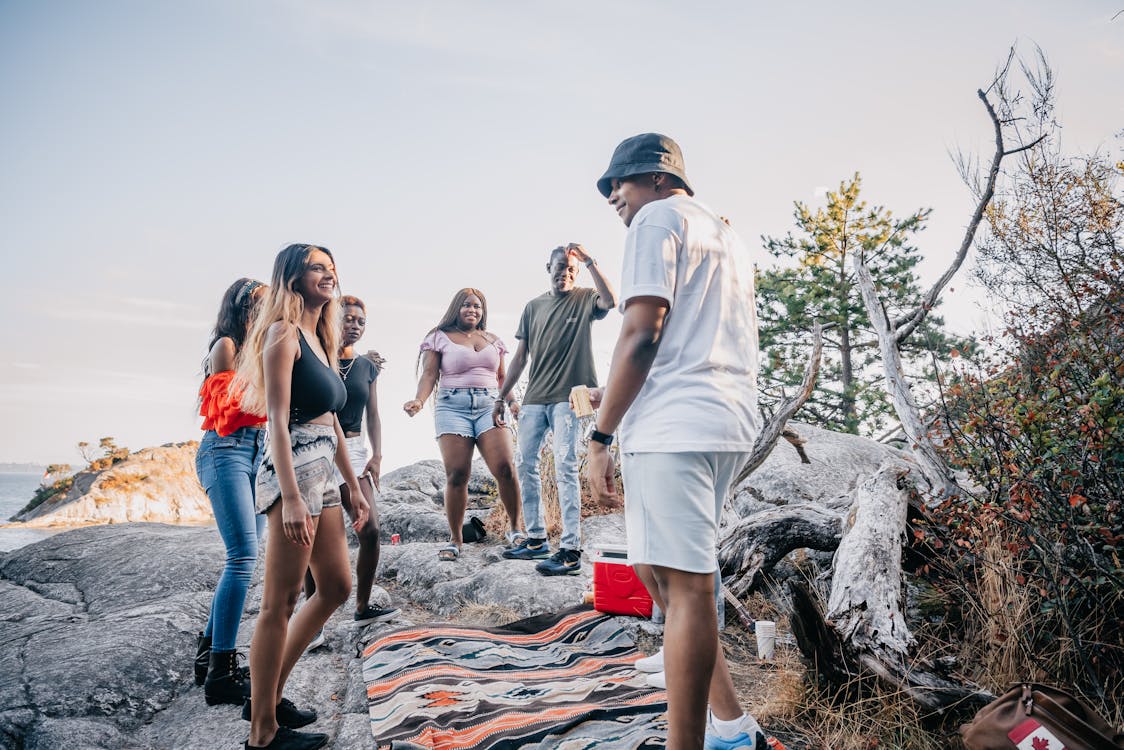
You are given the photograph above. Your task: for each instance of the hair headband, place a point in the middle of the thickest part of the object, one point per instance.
(245, 291)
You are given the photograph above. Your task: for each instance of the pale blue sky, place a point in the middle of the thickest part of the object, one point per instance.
(153, 151)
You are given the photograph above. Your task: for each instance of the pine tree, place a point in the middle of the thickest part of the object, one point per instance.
(821, 287)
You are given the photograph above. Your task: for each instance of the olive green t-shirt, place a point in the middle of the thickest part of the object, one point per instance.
(557, 332)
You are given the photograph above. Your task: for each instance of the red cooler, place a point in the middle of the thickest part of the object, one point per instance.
(616, 589)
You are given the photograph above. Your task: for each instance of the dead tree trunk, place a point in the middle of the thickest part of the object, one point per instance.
(754, 545)
(864, 630)
(866, 584)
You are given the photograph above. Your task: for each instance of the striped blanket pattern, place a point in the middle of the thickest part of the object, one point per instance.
(561, 680)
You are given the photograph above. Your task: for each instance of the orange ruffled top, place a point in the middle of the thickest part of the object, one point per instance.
(221, 410)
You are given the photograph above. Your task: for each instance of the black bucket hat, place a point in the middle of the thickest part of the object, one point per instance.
(641, 154)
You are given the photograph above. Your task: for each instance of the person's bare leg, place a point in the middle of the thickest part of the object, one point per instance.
(648, 578)
(309, 586)
(690, 651)
(285, 564)
(495, 447)
(367, 561)
(723, 696)
(332, 571)
(456, 452)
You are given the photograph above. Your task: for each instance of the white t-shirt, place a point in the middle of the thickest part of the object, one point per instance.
(701, 393)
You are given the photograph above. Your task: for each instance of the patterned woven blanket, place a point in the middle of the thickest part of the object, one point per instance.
(554, 681)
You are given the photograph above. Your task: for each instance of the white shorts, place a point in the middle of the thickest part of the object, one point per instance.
(673, 503)
(357, 456)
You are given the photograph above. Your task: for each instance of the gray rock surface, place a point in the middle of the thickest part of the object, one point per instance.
(838, 463)
(97, 632)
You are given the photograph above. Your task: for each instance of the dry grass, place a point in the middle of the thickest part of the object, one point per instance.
(805, 714)
(486, 615)
(120, 481)
(497, 524)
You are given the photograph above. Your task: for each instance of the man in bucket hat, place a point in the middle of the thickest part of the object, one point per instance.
(682, 390)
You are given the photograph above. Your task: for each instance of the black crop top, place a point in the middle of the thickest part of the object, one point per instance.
(316, 388)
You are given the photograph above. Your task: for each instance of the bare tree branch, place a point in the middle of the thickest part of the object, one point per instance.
(773, 429)
(906, 324)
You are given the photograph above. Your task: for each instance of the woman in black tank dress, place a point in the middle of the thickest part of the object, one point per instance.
(289, 369)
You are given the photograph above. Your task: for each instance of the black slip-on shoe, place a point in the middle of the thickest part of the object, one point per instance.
(288, 715)
(287, 739)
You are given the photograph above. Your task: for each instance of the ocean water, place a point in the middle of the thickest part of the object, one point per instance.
(15, 492)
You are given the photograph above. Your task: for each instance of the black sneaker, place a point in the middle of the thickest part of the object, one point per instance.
(564, 562)
(529, 549)
(375, 614)
(287, 739)
(288, 715)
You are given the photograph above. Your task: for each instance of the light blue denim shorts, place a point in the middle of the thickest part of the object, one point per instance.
(465, 411)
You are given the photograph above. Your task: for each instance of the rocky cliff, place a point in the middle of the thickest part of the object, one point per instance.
(155, 485)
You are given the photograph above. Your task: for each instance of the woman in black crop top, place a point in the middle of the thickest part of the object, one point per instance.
(289, 368)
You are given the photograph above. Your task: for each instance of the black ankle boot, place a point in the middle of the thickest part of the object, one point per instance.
(225, 682)
(202, 657)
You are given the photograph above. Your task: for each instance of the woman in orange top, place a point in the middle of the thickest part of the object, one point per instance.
(227, 464)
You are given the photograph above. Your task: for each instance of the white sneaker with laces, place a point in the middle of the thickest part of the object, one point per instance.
(748, 735)
(653, 663)
(658, 680)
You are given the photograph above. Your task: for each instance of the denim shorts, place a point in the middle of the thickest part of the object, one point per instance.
(314, 461)
(465, 411)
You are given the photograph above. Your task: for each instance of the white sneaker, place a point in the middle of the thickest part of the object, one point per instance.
(317, 641)
(658, 680)
(653, 663)
(748, 735)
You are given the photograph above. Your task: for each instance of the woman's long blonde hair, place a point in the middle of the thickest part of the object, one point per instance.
(284, 303)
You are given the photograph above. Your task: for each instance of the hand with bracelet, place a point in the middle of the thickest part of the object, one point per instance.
(498, 411)
(601, 470)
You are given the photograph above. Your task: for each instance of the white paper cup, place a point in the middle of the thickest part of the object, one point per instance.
(766, 633)
(579, 399)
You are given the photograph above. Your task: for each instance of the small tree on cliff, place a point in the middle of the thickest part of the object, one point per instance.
(821, 288)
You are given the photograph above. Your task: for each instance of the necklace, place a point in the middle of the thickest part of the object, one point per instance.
(345, 370)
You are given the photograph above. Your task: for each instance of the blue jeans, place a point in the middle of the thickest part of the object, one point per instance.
(227, 467)
(534, 421)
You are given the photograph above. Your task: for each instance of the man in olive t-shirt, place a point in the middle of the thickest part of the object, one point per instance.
(555, 334)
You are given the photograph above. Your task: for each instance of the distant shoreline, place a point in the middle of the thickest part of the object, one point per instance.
(16, 468)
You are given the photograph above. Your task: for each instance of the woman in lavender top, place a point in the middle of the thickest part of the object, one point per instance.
(465, 364)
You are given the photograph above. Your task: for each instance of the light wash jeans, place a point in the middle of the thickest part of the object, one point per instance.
(534, 421)
(227, 467)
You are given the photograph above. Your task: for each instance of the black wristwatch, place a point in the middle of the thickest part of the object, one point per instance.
(601, 437)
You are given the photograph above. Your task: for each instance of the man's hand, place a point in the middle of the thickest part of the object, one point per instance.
(600, 470)
(595, 396)
(578, 252)
(498, 412)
